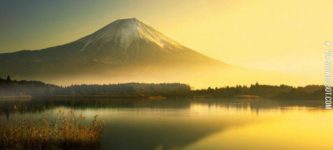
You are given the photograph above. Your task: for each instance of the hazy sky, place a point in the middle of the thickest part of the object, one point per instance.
(283, 35)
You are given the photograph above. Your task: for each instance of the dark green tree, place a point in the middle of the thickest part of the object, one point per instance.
(8, 79)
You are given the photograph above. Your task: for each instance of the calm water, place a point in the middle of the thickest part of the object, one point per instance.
(195, 125)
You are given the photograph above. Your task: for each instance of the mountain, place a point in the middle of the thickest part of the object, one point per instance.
(125, 50)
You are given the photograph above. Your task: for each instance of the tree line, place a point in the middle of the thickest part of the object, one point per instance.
(9, 87)
(264, 91)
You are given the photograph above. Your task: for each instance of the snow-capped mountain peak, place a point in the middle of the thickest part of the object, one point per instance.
(125, 50)
(126, 31)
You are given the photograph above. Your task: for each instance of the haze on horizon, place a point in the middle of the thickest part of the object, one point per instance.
(283, 36)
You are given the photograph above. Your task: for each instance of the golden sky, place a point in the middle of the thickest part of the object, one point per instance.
(284, 35)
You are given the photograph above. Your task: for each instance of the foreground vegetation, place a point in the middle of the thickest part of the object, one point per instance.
(13, 88)
(67, 131)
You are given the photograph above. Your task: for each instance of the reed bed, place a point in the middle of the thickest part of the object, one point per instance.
(67, 131)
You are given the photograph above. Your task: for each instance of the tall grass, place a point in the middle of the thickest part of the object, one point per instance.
(67, 131)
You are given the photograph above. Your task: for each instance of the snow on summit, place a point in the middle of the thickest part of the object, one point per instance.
(126, 31)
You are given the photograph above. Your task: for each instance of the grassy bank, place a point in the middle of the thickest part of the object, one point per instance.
(66, 132)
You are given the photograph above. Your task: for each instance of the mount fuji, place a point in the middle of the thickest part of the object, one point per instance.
(126, 50)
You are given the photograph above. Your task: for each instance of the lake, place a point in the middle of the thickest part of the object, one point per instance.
(199, 124)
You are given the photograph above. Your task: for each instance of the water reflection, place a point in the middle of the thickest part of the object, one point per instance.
(191, 124)
(43, 104)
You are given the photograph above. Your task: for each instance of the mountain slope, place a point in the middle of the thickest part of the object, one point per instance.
(123, 49)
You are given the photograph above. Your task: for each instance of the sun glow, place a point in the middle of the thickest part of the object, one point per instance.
(281, 36)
